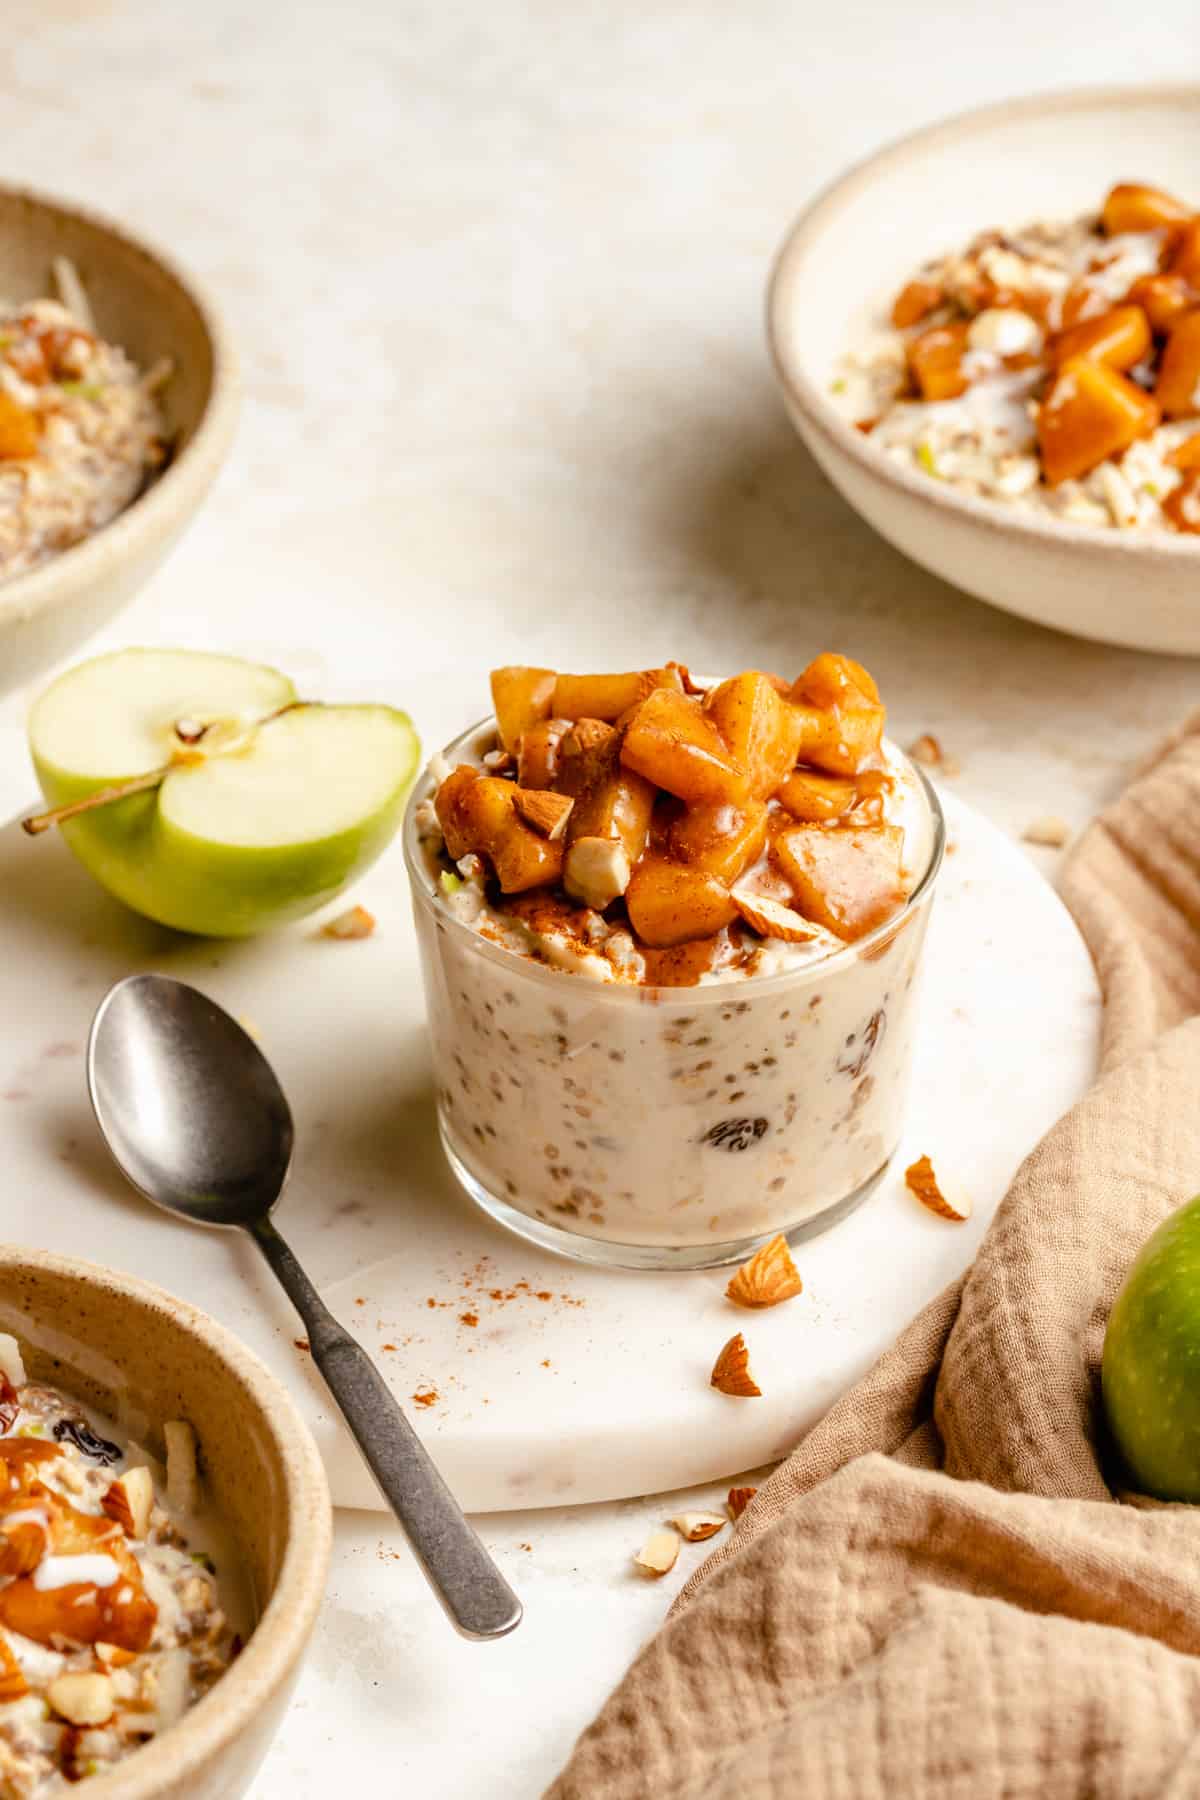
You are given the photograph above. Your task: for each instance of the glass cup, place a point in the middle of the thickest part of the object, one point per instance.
(666, 1128)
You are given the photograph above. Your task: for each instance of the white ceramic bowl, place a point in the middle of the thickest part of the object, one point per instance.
(143, 302)
(1053, 156)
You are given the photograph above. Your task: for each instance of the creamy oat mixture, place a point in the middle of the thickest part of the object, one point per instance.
(81, 428)
(111, 1624)
(1055, 368)
(734, 1061)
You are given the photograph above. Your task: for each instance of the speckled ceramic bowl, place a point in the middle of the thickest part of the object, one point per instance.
(143, 302)
(1050, 157)
(142, 1357)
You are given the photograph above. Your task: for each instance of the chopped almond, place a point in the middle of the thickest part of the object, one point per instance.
(82, 1698)
(731, 1371)
(1051, 832)
(130, 1501)
(738, 1499)
(658, 1554)
(768, 1278)
(112, 1655)
(771, 919)
(922, 1181)
(695, 1527)
(356, 922)
(546, 812)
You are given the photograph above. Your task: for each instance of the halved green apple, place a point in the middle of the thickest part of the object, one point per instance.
(236, 806)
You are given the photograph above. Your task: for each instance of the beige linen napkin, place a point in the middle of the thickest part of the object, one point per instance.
(937, 1594)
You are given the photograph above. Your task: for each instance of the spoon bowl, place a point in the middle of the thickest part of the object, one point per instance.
(189, 1105)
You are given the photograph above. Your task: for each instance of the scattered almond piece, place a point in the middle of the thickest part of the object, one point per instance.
(694, 1527)
(927, 750)
(112, 1655)
(546, 812)
(356, 922)
(658, 1554)
(769, 1277)
(922, 1181)
(1051, 831)
(731, 1371)
(738, 1499)
(82, 1698)
(771, 919)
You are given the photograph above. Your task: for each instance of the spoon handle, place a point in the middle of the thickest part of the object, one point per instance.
(477, 1599)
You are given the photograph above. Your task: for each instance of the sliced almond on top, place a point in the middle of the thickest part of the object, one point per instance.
(694, 1527)
(658, 1554)
(112, 1655)
(1049, 830)
(769, 1277)
(546, 812)
(731, 1371)
(82, 1697)
(771, 919)
(922, 1181)
(738, 1499)
(129, 1501)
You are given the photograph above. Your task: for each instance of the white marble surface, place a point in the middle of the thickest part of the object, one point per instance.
(496, 274)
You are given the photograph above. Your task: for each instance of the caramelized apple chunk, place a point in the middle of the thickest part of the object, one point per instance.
(1089, 414)
(478, 815)
(675, 745)
(609, 696)
(538, 752)
(1185, 258)
(19, 430)
(847, 878)
(609, 823)
(841, 715)
(521, 698)
(671, 903)
(1163, 299)
(815, 799)
(935, 361)
(1119, 338)
(762, 730)
(1177, 390)
(1130, 206)
(724, 840)
(915, 301)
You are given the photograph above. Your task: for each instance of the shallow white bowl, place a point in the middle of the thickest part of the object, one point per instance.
(1052, 156)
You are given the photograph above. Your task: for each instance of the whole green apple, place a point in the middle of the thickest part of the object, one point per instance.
(1150, 1377)
(246, 807)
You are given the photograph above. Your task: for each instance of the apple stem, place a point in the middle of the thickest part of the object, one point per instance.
(137, 784)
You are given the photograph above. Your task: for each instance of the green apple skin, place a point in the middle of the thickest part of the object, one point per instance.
(1150, 1376)
(214, 890)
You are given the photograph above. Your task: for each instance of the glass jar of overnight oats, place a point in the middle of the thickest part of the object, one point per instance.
(618, 1120)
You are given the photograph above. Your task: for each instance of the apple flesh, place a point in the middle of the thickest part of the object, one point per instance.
(268, 806)
(1150, 1376)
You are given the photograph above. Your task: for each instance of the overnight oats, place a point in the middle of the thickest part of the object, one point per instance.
(1054, 368)
(670, 934)
(111, 1623)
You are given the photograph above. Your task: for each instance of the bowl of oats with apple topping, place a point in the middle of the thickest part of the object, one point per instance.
(164, 1535)
(671, 932)
(988, 335)
(118, 397)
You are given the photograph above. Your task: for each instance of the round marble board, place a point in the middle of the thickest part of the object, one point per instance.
(541, 1382)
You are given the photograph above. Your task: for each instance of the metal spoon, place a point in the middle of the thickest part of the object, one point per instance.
(196, 1119)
